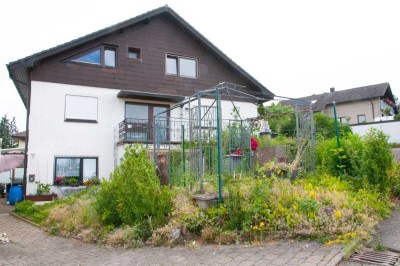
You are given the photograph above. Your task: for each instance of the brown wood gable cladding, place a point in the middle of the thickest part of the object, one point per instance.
(154, 39)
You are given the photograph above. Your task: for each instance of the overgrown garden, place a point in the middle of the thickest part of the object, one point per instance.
(340, 202)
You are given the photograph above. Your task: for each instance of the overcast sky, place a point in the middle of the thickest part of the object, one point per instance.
(295, 48)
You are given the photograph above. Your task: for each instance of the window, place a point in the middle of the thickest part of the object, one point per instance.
(80, 109)
(109, 57)
(134, 53)
(361, 119)
(181, 66)
(344, 120)
(91, 58)
(139, 122)
(102, 56)
(83, 168)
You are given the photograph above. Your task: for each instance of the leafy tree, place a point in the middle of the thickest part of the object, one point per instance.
(282, 120)
(397, 101)
(325, 126)
(7, 130)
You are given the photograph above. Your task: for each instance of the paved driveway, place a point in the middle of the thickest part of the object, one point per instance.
(31, 246)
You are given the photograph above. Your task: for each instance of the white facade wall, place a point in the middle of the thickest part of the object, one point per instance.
(392, 129)
(50, 136)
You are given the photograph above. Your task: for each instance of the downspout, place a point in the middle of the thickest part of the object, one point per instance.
(28, 104)
(373, 110)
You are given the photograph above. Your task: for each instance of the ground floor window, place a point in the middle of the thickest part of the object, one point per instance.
(80, 168)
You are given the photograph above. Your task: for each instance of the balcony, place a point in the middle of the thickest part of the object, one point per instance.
(134, 130)
(142, 130)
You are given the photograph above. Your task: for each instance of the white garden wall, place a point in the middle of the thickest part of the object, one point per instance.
(390, 128)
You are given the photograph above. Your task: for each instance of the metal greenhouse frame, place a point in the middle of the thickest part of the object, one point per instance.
(204, 144)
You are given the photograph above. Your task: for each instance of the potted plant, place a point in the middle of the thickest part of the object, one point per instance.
(73, 181)
(42, 193)
(279, 169)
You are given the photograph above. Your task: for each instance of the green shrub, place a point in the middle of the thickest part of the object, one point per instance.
(359, 160)
(395, 180)
(377, 159)
(133, 195)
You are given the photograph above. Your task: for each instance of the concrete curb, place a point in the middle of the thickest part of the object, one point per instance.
(23, 219)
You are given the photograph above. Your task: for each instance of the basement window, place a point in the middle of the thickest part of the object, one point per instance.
(134, 53)
(181, 66)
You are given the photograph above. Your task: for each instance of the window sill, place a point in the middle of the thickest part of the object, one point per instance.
(80, 121)
(178, 76)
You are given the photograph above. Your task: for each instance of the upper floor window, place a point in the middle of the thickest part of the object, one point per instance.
(80, 109)
(344, 120)
(134, 53)
(181, 66)
(361, 119)
(102, 56)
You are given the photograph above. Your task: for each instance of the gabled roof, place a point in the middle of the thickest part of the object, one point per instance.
(320, 101)
(20, 135)
(20, 70)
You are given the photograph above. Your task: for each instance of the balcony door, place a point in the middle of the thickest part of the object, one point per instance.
(139, 121)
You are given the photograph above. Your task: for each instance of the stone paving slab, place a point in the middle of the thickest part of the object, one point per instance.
(389, 231)
(31, 246)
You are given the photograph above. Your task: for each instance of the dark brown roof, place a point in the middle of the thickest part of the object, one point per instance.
(320, 101)
(19, 70)
(20, 135)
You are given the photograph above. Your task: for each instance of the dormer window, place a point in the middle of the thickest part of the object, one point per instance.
(102, 56)
(181, 66)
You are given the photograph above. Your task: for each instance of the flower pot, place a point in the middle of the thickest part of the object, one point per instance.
(294, 174)
(268, 173)
(47, 197)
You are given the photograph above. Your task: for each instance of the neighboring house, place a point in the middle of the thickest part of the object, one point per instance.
(20, 138)
(355, 106)
(78, 93)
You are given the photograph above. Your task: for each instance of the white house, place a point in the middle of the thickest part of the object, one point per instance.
(82, 94)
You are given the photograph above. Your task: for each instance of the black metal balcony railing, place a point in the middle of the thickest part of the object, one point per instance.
(134, 130)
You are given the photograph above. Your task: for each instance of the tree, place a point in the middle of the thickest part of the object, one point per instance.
(325, 126)
(282, 120)
(7, 130)
(397, 102)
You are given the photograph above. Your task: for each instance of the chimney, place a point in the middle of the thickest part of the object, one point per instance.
(332, 89)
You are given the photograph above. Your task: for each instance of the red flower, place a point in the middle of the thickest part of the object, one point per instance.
(253, 144)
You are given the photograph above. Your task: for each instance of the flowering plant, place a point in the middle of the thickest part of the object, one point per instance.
(253, 144)
(59, 180)
(237, 152)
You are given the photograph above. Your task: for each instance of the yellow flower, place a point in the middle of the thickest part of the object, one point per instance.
(262, 224)
(338, 214)
(312, 195)
(255, 227)
(330, 243)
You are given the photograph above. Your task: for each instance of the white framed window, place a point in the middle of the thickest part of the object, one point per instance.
(81, 168)
(181, 66)
(344, 120)
(81, 109)
(361, 119)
